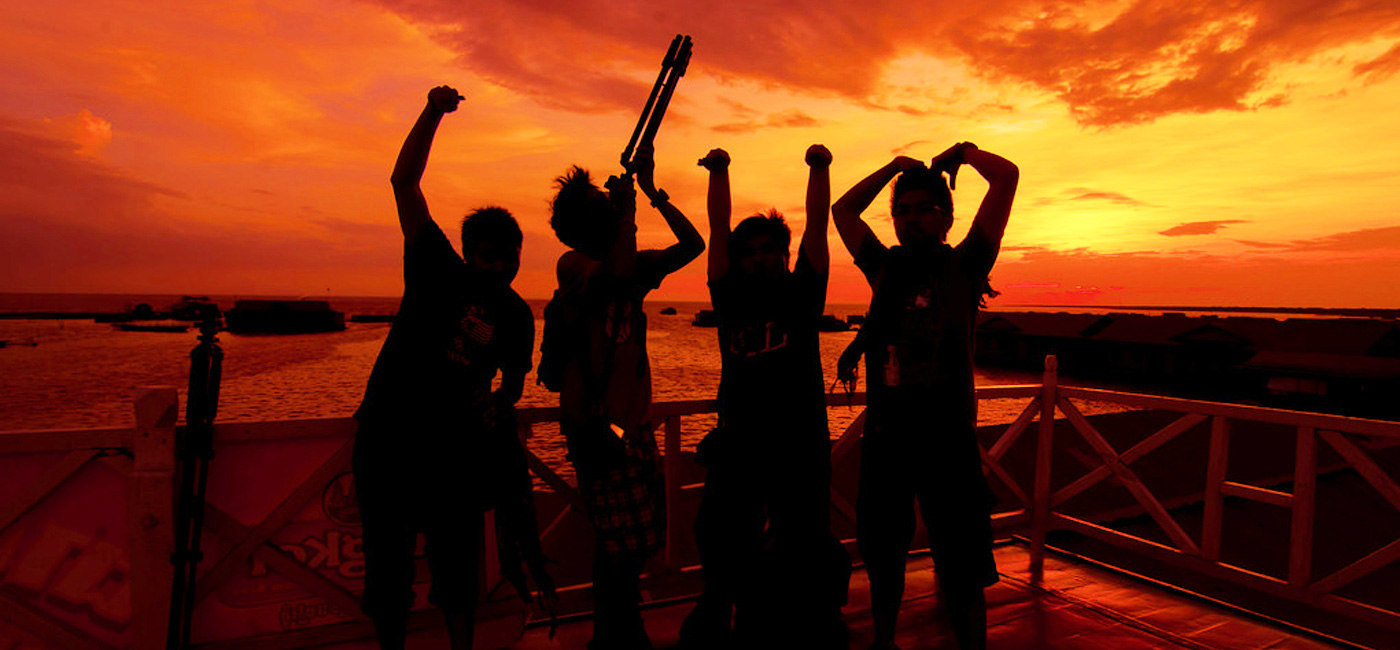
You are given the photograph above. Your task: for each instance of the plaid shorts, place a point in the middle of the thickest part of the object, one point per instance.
(627, 508)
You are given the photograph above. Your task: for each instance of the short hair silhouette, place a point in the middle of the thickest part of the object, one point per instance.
(581, 216)
(490, 224)
(924, 179)
(771, 224)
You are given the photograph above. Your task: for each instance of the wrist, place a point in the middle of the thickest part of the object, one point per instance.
(658, 197)
(963, 148)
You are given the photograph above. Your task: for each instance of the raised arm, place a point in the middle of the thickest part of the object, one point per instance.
(413, 158)
(818, 206)
(846, 211)
(621, 261)
(689, 244)
(718, 205)
(1002, 177)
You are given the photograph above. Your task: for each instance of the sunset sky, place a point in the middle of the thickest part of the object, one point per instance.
(1175, 152)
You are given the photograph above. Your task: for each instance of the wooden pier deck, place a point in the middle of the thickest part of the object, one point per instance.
(1078, 606)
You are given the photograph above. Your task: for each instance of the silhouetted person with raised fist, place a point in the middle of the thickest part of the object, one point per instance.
(418, 456)
(768, 463)
(595, 350)
(919, 441)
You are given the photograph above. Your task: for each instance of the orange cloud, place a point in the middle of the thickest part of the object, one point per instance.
(1160, 57)
(790, 118)
(1199, 227)
(1110, 65)
(1380, 68)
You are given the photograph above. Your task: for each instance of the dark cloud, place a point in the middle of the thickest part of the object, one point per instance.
(1356, 240)
(1366, 239)
(47, 175)
(792, 118)
(1199, 227)
(1087, 194)
(1149, 59)
(1111, 197)
(1381, 67)
(71, 222)
(1261, 244)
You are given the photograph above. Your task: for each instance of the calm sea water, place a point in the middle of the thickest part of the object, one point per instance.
(62, 374)
(78, 373)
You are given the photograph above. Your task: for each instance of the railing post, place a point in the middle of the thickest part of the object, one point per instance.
(1040, 496)
(674, 526)
(150, 499)
(1214, 506)
(1304, 508)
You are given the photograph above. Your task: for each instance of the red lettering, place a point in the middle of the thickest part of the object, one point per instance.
(38, 566)
(97, 582)
(353, 549)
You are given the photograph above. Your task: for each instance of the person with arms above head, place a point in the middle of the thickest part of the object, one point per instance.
(768, 463)
(418, 446)
(594, 353)
(919, 441)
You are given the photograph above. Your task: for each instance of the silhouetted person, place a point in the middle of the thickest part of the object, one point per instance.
(769, 460)
(418, 449)
(606, 391)
(919, 432)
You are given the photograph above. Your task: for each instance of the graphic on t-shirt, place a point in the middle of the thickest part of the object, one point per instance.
(479, 330)
(473, 332)
(619, 322)
(759, 338)
(911, 359)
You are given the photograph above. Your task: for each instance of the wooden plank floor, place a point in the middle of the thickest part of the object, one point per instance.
(1079, 606)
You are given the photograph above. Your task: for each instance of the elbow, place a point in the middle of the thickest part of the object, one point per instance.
(695, 247)
(842, 216)
(401, 181)
(1009, 174)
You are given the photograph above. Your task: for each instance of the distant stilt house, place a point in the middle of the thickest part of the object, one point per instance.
(1162, 350)
(1023, 339)
(1334, 365)
(1347, 366)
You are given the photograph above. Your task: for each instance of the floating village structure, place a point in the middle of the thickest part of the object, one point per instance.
(1344, 366)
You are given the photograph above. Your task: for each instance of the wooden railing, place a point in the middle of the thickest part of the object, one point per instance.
(270, 536)
(1354, 441)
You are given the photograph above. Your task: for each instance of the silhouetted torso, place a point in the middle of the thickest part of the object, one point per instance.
(923, 311)
(447, 341)
(609, 382)
(771, 380)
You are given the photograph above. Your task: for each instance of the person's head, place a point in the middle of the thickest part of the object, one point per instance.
(922, 208)
(491, 245)
(758, 247)
(582, 215)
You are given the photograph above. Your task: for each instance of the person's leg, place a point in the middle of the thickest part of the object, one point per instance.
(453, 545)
(728, 532)
(812, 583)
(388, 542)
(617, 616)
(884, 528)
(956, 506)
(967, 613)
